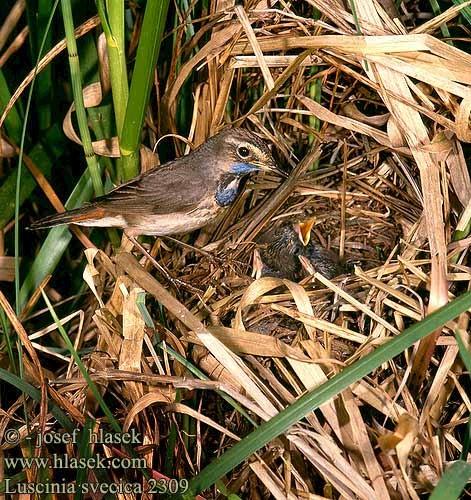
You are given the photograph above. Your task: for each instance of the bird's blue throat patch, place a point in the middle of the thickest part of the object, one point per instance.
(227, 192)
(243, 168)
(227, 196)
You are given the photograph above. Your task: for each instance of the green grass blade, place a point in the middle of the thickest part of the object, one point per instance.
(141, 305)
(466, 441)
(202, 376)
(14, 480)
(83, 370)
(452, 482)
(465, 11)
(6, 340)
(13, 121)
(464, 353)
(35, 394)
(55, 244)
(83, 451)
(44, 159)
(437, 11)
(113, 422)
(20, 163)
(313, 399)
(147, 52)
(466, 358)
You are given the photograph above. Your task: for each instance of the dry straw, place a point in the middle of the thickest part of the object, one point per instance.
(391, 188)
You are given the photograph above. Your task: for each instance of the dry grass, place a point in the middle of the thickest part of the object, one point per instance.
(391, 189)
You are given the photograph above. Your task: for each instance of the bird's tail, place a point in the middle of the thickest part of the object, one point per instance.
(83, 215)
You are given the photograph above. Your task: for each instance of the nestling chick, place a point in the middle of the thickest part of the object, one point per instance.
(281, 249)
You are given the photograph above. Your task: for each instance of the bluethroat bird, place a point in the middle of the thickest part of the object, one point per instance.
(179, 196)
(283, 248)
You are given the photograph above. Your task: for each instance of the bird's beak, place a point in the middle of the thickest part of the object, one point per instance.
(303, 230)
(270, 166)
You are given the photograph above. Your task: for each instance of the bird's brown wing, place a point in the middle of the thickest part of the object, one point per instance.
(176, 187)
(163, 190)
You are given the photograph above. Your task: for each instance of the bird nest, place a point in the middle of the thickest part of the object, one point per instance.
(369, 130)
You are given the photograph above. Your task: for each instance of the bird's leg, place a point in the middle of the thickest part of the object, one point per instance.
(210, 256)
(167, 275)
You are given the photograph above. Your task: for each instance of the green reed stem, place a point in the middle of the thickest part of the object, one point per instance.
(81, 113)
(141, 83)
(112, 20)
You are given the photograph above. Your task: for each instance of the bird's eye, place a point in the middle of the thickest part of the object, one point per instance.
(243, 152)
